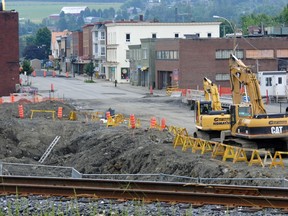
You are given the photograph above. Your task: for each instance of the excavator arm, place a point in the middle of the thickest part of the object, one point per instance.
(211, 94)
(242, 76)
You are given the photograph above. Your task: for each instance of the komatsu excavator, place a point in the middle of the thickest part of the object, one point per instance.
(210, 118)
(250, 125)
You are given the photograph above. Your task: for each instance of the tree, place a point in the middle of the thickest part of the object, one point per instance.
(89, 69)
(33, 51)
(26, 67)
(43, 40)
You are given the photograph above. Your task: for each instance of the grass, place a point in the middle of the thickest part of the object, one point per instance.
(36, 11)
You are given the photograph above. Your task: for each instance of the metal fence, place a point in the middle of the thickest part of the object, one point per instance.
(36, 170)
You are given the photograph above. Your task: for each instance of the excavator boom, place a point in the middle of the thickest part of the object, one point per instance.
(242, 76)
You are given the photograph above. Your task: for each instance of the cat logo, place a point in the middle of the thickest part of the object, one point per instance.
(276, 130)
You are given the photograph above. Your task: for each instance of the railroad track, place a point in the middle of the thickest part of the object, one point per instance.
(197, 194)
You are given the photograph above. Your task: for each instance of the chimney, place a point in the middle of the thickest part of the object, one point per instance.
(141, 17)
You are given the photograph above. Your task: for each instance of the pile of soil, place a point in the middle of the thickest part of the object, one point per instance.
(91, 147)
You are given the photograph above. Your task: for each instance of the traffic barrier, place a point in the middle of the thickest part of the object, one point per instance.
(188, 143)
(229, 152)
(110, 121)
(132, 121)
(180, 138)
(153, 122)
(163, 123)
(218, 150)
(277, 159)
(21, 111)
(60, 112)
(240, 155)
(255, 158)
(72, 116)
(42, 111)
(44, 73)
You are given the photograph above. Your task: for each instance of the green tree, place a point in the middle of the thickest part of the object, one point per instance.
(256, 20)
(89, 70)
(26, 67)
(43, 40)
(283, 17)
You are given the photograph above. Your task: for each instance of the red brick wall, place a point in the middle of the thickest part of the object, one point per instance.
(197, 57)
(9, 55)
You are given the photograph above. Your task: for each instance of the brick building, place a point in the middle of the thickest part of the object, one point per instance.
(9, 55)
(186, 61)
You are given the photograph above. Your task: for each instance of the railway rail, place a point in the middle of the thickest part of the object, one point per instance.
(197, 194)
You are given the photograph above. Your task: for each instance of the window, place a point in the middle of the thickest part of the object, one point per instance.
(197, 35)
(176, 35)
(209, 35)
(128, 54)
(244, 111)
(268, 81)
(167, 54)
(222, 77)
(103, 51)
(144, 53)
(96, 35)
(279, 80)
(102, 35)
(154, 35)
(127, 37)
(225, 54)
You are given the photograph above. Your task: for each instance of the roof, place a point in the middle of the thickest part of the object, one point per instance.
(73, 10)
(54, 35)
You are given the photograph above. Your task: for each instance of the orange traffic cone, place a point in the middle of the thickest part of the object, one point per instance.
(34, 73)
(132, 121)
(21, 111)
(52, 87)
(60, 112)
(153, 122)
(67, 74)
(53, 74)
(44, 73)
(1, 100)
(163, 123)
(151, 90)
(12, 98)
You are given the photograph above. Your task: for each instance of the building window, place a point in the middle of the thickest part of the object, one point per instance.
(197, 35)
(128, 54)
(279, 80)
(209, 35)
(103, 51)
(176, 35)
(167, 55)
(127, 37)
(144, 53)
(96, 35)
(154, 35)
(102, 35)
(268, 81)
(225, 54)
(222, 77)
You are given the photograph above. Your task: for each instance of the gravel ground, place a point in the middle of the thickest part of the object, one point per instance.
(37, 205)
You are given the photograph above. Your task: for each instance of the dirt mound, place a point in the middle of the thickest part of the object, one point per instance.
(93, 148)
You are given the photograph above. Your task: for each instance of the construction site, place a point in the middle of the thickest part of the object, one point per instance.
(153, 140)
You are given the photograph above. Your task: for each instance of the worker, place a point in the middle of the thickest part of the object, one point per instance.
(115, 83)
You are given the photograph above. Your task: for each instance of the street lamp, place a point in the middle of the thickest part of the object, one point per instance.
(233, 28)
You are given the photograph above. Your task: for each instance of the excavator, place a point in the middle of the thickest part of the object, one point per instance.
(210, 117)
(250, 125)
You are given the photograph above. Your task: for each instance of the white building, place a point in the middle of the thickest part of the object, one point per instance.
(122, 34)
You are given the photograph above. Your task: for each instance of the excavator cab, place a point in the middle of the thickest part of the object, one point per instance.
(202, 108)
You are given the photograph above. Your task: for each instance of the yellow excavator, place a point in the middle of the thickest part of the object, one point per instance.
(250, 125)
(210, 117)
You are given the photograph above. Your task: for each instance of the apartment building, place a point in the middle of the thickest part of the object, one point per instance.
(122, 34)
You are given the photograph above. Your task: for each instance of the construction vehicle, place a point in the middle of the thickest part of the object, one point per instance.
(251, 126)
(210, 117)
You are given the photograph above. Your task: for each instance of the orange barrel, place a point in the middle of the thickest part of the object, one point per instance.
(60, 112)
(21, 111)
